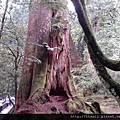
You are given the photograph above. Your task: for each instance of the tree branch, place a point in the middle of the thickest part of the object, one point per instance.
(9, 49)
(3, 19)
(104, 76)
(106, 79)
(84, 22)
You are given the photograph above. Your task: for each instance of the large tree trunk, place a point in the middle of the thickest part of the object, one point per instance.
(46, 67)
(46, 85)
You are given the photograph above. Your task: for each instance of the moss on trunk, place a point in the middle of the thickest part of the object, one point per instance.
(50, 77)
(47, 87)
(83, 20)
(112, 85)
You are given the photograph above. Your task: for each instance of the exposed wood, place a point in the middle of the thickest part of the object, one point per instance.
(47, 86)
(50, 77)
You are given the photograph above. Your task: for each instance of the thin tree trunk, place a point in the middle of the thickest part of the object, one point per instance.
(112, 85)
(111, 64)
(3, 18)
(106, 79)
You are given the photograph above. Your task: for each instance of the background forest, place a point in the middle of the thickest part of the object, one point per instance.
(104, 16)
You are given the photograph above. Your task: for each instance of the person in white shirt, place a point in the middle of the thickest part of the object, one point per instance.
(7, 102)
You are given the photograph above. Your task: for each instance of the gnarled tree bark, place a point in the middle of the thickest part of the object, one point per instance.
(46, 67)
(76, 60)
(46, 85)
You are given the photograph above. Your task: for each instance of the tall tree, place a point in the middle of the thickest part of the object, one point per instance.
(46, 67)
(46, 85)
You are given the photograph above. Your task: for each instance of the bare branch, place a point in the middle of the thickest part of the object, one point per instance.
(3, 19)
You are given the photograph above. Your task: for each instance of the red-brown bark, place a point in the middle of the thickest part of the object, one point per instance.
(36, 29)
(46, 85)
(51, 77)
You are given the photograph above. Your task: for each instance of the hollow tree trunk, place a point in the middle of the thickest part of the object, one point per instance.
(46, 67)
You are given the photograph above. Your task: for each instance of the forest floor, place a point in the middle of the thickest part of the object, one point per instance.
(108, 103)
(57, 105)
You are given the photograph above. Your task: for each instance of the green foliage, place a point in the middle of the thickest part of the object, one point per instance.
(86, 78)
(103, 13)
(54, 4)
(106, 14)
(75, 28)
(12, 44)
(58, 6)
